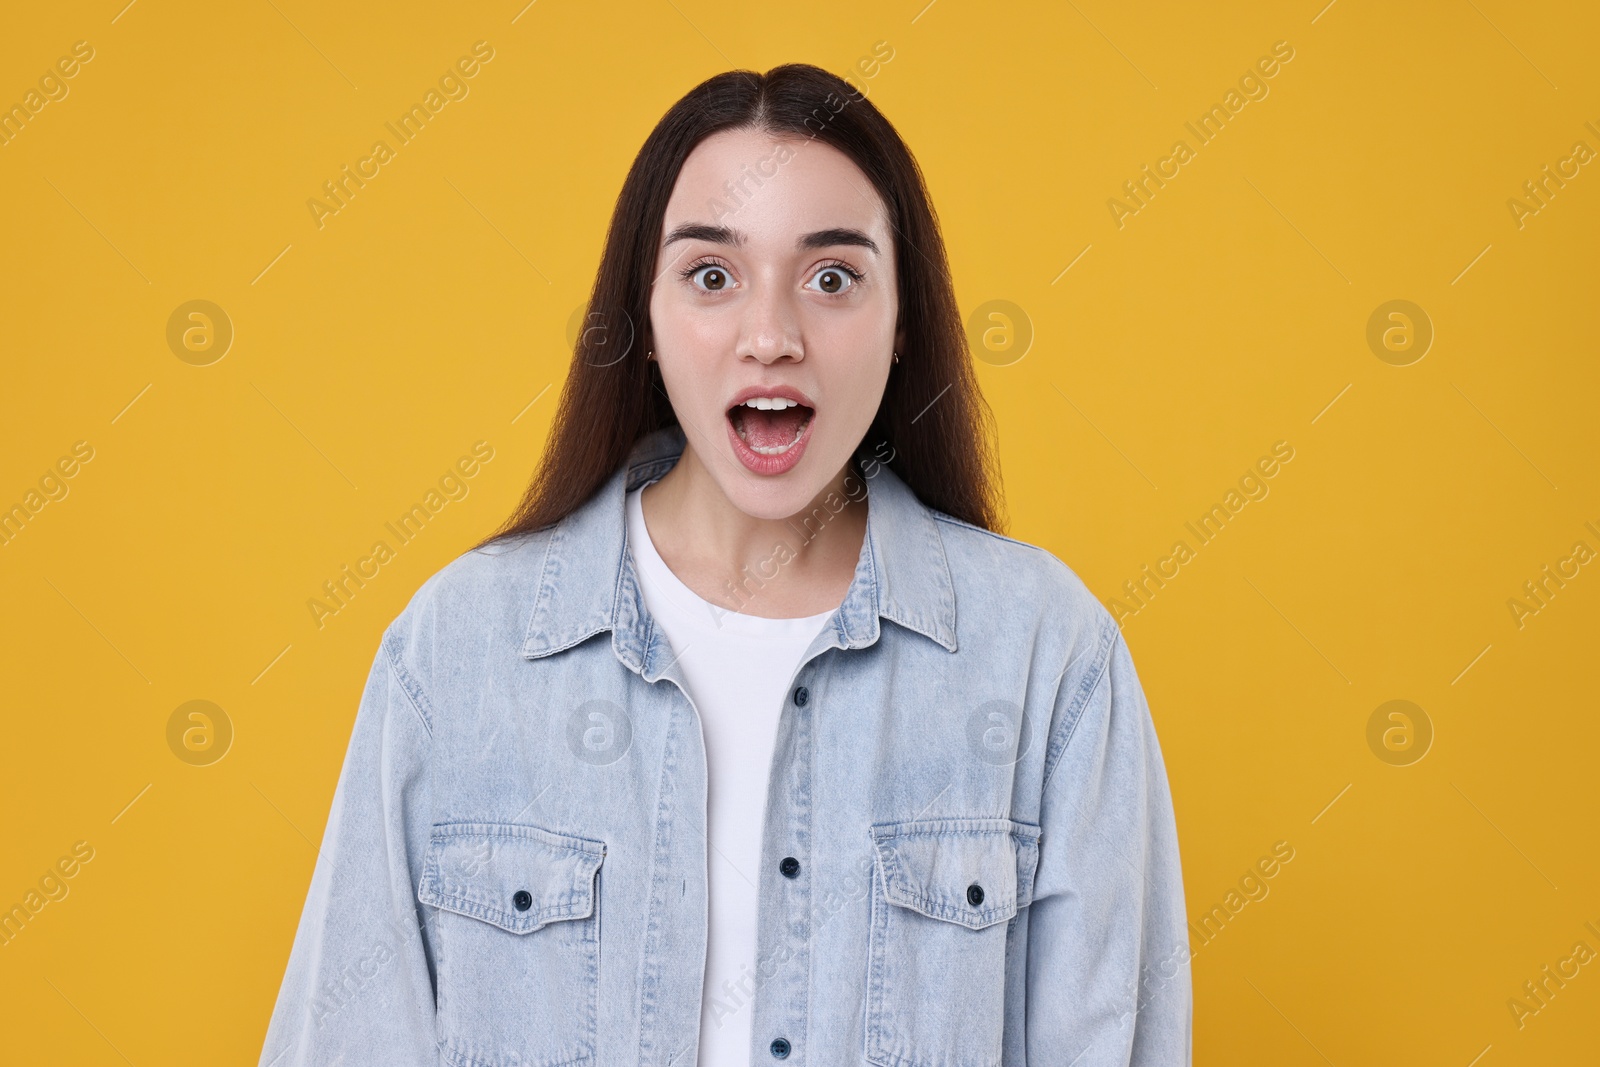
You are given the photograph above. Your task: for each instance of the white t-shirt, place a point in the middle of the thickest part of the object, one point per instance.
(737, 668)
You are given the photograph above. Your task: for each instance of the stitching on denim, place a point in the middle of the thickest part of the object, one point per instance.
(952, 912)
(540, 597)
(953, 521)
(498, 917)
(955, 831)
(503, 829)
(892, 865)
(877, 927)
(893, 1059)
(929, 629)
(646, 470)
(578, 640)
(901, 879)
(876, 608)
(651, 965)
(460, 1057)
(453, 894)
(879, 1046)
(616, 587)
(1067, 728)
(408, 685)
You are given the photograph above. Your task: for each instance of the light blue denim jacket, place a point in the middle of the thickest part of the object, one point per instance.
(969, 855)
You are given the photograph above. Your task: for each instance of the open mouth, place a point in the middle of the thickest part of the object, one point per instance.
(770, 426)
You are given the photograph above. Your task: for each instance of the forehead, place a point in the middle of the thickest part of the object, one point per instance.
(774, 188)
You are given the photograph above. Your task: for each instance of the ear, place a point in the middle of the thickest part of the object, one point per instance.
(900, 339)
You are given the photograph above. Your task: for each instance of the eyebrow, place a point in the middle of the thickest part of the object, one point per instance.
(725, 235)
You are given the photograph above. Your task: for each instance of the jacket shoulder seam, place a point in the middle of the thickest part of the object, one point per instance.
(415, 697)
(953, 521)
(1093, 679)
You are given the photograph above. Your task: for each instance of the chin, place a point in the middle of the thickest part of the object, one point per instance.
(776, 498)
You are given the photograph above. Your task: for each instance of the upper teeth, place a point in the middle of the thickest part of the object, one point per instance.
(770, 403)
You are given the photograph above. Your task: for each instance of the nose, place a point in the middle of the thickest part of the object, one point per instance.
(770, 329)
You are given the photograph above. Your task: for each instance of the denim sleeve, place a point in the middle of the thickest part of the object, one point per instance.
(1108, 950)
(359, 985)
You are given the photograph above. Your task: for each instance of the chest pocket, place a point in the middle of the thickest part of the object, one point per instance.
(518, 964)
(945, 892)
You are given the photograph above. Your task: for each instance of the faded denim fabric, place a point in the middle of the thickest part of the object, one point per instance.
(514, 866)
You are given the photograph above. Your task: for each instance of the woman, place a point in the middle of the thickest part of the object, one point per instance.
(748, 738)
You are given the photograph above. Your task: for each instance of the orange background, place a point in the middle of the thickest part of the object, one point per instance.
(1168, 354)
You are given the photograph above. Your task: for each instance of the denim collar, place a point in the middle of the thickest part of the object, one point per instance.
(588, 583)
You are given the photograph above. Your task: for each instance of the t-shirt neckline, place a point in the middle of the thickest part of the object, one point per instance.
(686, 600)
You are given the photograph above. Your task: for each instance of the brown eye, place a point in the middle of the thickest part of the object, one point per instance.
(833, 280)
(712, 278)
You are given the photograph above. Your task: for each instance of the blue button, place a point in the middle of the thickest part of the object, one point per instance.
(780, 1047)
(801, 695)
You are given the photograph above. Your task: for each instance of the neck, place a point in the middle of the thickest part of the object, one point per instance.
(798, 565)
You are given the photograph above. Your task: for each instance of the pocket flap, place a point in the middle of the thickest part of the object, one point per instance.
(519, 878)
(975, 872)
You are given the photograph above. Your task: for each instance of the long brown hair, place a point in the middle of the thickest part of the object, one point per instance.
(932, 417)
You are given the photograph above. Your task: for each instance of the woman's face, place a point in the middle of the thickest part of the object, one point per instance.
(773, 314)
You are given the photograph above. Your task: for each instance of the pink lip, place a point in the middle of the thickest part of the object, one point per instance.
(755, 461)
